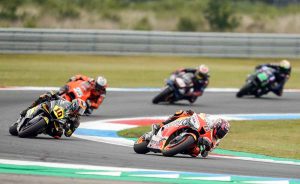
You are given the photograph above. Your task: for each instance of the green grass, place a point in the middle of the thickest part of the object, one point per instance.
(116, 14)
(124, 71)
(272, 138)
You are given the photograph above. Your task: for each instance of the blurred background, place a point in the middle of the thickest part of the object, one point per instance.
(254, 16)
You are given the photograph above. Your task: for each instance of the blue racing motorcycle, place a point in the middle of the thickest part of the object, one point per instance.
(176, 87)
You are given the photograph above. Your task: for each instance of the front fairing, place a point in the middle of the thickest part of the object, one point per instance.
(58, 110)
(30, 114)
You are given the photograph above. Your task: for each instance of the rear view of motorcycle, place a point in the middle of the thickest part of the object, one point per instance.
(176, 87)
(258, 83)
(77, 89)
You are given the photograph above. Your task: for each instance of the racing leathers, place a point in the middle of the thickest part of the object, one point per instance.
(207, 144)
(71, 120)
(281, 77)
(199, 83)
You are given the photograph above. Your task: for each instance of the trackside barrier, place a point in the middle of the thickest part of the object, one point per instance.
(113, 42)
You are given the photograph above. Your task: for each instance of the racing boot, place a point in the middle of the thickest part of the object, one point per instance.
(192, 99)
(204, 153)
(194, 151)
(88, 111)
(57, 134)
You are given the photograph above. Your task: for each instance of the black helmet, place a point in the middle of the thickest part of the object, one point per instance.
(77, 107)
(221, 128)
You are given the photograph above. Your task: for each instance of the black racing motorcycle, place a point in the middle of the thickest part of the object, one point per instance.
(176, 87)
(258, 83)
(43, 118)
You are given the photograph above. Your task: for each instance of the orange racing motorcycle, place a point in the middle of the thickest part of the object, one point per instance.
(77, 89)
(177, 137)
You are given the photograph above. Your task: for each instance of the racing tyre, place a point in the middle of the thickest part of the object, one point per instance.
(162, 95)
(33, 127)
(178, 147)
(140, 146)
(13, 129)
(244, 90)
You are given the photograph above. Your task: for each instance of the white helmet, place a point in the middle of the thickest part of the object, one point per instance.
(285, 67)
(202, 71)
(285, 64)
(101, 83)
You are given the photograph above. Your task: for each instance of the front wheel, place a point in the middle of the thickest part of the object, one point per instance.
(162, 96)
(140, 146)
(245, 90)
(174, 148)
(33, 128)
(13, 129)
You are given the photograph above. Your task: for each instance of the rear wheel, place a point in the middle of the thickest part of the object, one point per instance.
(162, 95)
(245, 90)
(174, 148)
(13, 129)
(140, 146)
(33, 127)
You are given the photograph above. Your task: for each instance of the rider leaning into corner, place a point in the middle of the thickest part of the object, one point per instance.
(73, 111)
(281, 71)
(96, 87)
(200, 81)
(219, 126)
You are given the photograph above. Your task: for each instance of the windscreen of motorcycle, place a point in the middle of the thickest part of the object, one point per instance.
(57, 111)
(184, 80)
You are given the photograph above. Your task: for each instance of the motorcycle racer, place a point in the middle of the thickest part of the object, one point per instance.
(281, 71)
(200, 81)
(95, 90)
(72, 112)
(219, 127)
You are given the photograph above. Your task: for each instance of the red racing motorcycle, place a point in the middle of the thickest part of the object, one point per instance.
(77, 89)
(177, 137)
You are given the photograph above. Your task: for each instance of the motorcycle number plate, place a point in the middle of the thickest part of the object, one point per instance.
(59, 112)
(78, 92)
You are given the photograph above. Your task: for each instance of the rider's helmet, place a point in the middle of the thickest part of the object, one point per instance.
(221, 128)
(77, 107)
(101, 83)
(285, 66)
(202, 72)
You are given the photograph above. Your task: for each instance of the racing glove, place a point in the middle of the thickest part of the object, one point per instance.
(205, 145)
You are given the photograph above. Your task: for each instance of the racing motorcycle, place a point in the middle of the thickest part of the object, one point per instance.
(177, 137)
(77, 89)
(257, 82)
(43, 118)
(176, 87)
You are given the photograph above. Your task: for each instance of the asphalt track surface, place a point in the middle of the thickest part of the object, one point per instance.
(137, 104)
